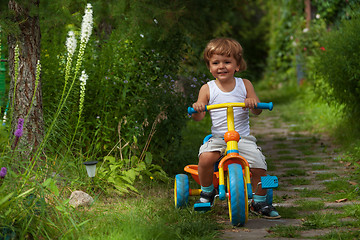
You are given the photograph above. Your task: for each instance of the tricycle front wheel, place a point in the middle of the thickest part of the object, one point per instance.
(237, 200)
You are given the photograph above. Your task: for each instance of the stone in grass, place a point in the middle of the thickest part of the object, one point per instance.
(80, 198)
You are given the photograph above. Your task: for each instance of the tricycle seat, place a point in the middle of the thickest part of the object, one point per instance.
(193, 170)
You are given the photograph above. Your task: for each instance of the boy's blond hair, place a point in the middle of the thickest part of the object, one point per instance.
(226, 47)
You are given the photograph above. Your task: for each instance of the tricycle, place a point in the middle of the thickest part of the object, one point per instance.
(232, 177)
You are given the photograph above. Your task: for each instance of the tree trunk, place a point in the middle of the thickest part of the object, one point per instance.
(24, 101)
(307, 12)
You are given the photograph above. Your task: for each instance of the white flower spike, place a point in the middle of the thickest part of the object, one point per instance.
(83, 79)
(71, 43)
(87, 24)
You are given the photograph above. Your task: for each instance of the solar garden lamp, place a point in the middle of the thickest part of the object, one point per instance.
(91, 169)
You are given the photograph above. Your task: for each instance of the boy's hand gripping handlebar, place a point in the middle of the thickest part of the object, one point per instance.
(260, 105)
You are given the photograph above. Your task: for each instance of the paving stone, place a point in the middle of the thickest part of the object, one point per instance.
(315, 233)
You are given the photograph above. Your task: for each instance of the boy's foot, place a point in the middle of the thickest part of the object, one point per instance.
(264, 210)
(207, 197)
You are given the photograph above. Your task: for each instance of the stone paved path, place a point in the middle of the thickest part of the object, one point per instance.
(304, 164)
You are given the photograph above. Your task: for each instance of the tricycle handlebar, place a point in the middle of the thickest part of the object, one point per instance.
(260, 105)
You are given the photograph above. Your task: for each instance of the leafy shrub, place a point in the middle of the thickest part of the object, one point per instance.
(337, 68)
(121, 174)
(133, 81)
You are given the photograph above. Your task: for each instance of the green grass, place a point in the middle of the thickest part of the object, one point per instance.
(293, 212)
(342, 234)
(151, 215)
(277, 124)
(286, 157)
(320, 167)
(284, 152)
(279, 138)
(271, 167)
(282, 231)
(307, 152)
(313, 159)
(311, 193)
(303, 147)
(292, 165)
(299, 181)
(305, 139)
(307, 205)
(294, 173)
(318, 220)
(281, 146)
(325, 176)
(338, 185)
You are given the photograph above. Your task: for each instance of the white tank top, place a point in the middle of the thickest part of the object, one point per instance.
(218, 116)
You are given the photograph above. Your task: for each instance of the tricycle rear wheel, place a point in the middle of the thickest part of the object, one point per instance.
(181, 190)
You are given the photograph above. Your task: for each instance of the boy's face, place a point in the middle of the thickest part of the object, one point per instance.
(223, 67)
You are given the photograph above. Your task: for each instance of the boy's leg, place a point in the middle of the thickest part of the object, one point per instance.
(206, 172)
(257, 173)
(206, 167)
(209, 154)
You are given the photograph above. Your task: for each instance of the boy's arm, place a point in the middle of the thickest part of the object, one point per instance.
(251, 98)
(199, 106)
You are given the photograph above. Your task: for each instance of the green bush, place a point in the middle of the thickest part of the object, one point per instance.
(133, 83)
(337, 68)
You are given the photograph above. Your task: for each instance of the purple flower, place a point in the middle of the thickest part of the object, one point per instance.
(19, 130)
(3, 172)
(20, 122)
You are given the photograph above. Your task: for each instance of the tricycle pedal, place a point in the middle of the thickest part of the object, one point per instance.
(202, 207)
(269, 182)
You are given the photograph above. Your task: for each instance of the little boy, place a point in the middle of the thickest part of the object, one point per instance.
(224, 57)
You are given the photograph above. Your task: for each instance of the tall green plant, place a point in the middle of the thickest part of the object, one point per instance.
(336, 68)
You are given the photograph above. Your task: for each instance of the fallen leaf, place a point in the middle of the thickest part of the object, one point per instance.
(353, 183)
(341, 200)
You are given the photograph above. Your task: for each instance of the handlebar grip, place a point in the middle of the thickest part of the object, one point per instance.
(262, 105)
(192, 110)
